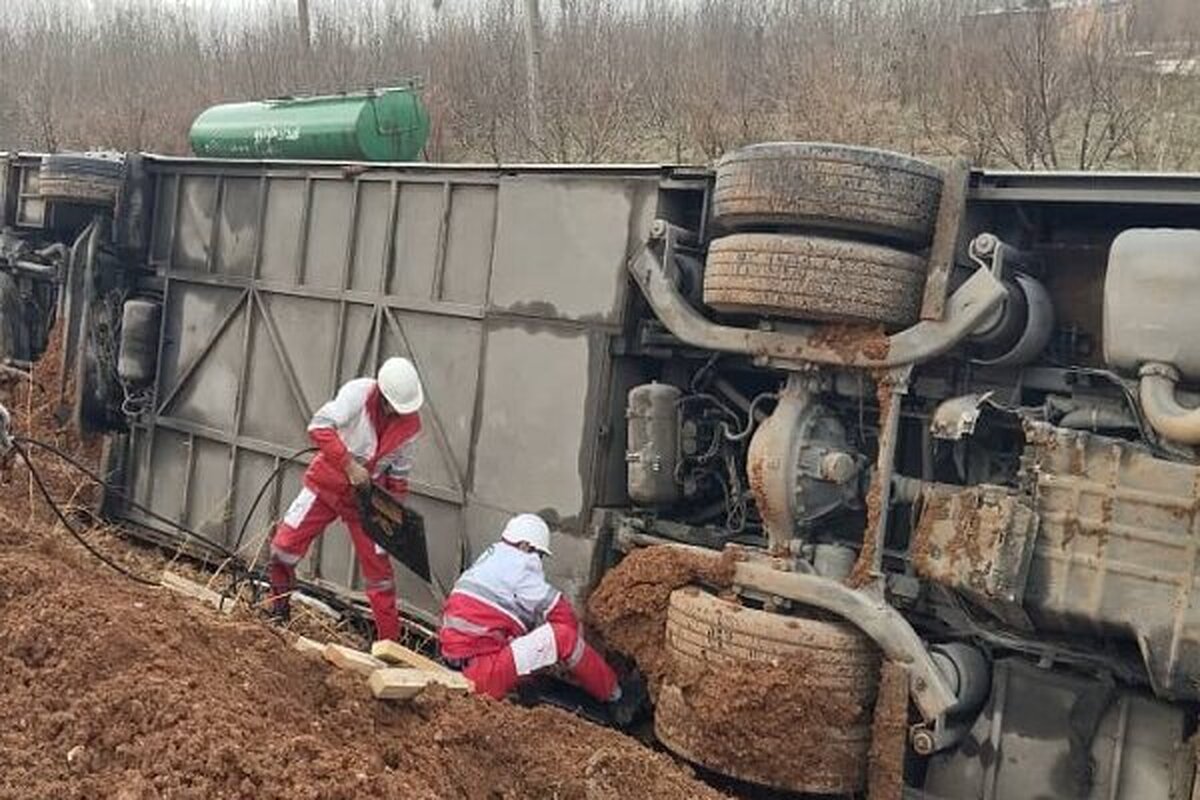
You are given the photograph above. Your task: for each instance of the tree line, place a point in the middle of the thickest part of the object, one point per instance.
(1038, 86)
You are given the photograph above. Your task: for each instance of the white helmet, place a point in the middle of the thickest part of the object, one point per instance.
(528, 528)
(400, 384)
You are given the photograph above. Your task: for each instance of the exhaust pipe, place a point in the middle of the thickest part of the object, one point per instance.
(1161, 408)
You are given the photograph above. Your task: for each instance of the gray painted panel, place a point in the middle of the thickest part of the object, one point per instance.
(205, 395)
(271, 411)
(250, 471)
(209, 490)
(189, 323)
(528, 454)
(469, 244)
(519, 436)
(168, 473)
(561, 245)
(193, 232)
(356, 342)
(450, 384)
(281, 230)
(307, 331)
(236, 226)
(374, 209)
(328, 233)
(164, 212)
(418, 219)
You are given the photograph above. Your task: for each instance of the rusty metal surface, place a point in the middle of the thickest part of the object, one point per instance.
(889, 735)
(979, 542)
(1117, 549)
(796, 347)
(951, 209)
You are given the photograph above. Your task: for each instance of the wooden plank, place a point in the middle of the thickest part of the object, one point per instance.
(951, 210)
(306, 645)
(187, 588)
(394, 653)
(404, 683)
(351, 659)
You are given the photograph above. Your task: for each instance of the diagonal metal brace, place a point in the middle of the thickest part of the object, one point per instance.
(966, 309)
(872, 615)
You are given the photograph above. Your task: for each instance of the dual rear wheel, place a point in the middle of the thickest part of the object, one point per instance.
(821, 232)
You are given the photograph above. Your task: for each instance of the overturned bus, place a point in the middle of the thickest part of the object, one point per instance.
(945, 413)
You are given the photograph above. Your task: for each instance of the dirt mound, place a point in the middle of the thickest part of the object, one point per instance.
(799, 721)
(114, 690)
(111, 689)
(766, 724)
(629, 607)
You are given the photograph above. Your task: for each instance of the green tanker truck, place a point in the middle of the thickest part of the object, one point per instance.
(374, 125)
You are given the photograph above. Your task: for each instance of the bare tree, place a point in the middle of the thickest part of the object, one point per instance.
(304, 25)
(618, 80)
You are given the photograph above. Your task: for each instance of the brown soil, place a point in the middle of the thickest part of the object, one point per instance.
(850, 342)
(768, 724)
(112, 689)
(629, 607)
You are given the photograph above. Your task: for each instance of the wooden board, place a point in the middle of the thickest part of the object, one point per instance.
(187, 588)
(306, 645)
(404, 683)
(393, 653)
(351, 659)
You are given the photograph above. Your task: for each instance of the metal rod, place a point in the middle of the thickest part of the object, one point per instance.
(896, 387)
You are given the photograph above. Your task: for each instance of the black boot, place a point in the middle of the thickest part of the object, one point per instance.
(625, 710)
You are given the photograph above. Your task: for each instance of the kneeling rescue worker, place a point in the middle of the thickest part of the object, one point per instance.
(364, 435)
(503, 621)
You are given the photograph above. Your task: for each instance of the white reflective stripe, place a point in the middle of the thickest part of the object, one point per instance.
(299, 508)
(577, 651)
(534, 650)
(383, 585)
(284, 557)
(461, 625)
(490, 603)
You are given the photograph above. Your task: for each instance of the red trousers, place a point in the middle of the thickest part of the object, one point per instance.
(495, 673)
(307, 519)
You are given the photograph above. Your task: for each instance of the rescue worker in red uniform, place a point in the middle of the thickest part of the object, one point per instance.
(364, 434)
(503, 621)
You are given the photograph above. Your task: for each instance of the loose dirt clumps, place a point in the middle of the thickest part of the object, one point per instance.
(767, 724)
(111, 689)
(629, 607)
(115, 690)
(748, 700)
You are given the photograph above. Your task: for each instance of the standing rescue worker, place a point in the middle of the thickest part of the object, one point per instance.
(364, 435)
(503, 621)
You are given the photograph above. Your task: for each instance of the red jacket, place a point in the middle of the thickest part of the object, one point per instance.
(502, 596)
(354, 424)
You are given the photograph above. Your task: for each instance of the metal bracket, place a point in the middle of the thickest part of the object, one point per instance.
(872, 615)
(794, 349)
(951, 210)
